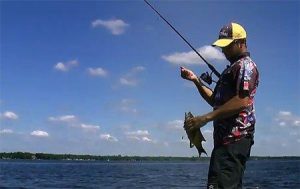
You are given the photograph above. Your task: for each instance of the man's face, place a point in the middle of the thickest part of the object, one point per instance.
(231, 50)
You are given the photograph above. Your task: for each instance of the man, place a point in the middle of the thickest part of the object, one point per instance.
(233, 109)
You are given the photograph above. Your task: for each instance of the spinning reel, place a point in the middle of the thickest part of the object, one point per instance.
(207, 78)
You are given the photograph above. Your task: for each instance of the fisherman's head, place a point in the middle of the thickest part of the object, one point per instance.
(232, 40)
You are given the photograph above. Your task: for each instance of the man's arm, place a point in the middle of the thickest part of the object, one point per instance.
(233, 106)
(204, 91)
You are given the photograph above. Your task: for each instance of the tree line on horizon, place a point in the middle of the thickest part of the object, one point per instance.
(47, 156)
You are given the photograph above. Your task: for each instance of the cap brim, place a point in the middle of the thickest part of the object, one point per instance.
(222, 42)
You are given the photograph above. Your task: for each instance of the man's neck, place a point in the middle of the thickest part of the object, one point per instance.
(241, 55)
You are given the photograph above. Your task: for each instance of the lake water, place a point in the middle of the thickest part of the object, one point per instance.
(94, 174)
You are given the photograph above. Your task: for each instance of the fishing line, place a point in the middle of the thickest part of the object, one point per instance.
(204, 76)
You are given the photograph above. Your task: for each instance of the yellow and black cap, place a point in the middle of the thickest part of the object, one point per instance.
(229, 33)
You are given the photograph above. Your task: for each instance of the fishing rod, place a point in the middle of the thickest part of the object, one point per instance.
(205, 76)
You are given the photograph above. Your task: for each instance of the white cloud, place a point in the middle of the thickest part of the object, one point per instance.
(127, 106)
(74, 122)
(90, 127)
(61, 66)
(66, 66)
(146, 139)
(100, 72)
(297, 122)
(287, 118)
(108, 137)
(133, 137)
(126, 101)
(9, 115)
(130, 79)
(138, 69)
(175, 124)
(288, 127)
(115, 26)
(282, 124)
(139, 135)
(64, 118)
(284, 113)
(187, 58)
(39, 133)
(6, 131)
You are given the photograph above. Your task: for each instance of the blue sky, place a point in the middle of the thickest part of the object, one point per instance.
(102, 77)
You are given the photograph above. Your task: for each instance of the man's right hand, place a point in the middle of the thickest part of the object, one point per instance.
(188, 74)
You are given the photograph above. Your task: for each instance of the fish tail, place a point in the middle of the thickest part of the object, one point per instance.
(200, 151)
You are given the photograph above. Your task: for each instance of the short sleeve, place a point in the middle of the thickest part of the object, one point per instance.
(246, 78)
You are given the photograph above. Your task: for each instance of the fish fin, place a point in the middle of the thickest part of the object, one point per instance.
(191, 145)
(201, 136)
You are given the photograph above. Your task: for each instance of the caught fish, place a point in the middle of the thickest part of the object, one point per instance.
(194, 136)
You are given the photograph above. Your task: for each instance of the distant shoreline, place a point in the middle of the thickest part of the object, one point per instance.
(74, 157)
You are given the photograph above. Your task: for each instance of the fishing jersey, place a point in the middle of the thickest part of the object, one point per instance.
(240, 78)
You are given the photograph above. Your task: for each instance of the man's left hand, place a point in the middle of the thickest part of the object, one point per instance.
(195, 123)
